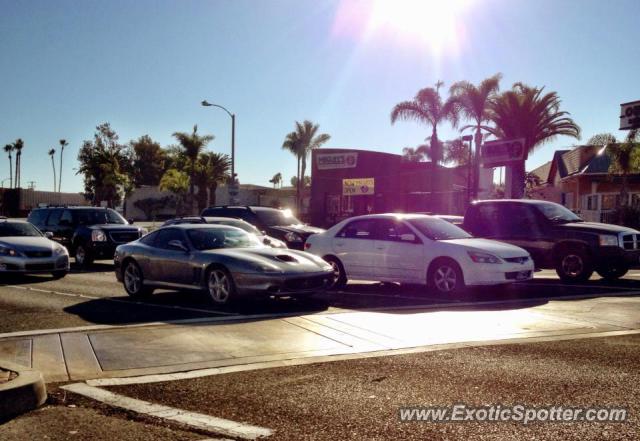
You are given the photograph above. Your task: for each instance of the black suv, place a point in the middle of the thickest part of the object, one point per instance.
(88, 232)
(557, 238)
(280, 224)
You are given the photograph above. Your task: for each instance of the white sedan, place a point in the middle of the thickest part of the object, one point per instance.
(420, 249)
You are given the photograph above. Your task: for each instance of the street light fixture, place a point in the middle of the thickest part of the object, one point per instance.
(232, 188)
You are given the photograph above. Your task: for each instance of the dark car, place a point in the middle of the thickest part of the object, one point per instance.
(557, 238)
(277, 223)
(224, 261)
(88, 233)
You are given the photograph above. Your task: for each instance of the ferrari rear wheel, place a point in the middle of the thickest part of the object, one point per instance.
(220, 286)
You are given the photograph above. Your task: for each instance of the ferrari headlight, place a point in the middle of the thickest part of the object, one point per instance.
(98, 236)
(478, 257)
(293, 237)
(6, 251)
(608, 240)
(264, 268)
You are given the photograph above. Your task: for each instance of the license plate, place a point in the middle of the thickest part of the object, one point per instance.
(523, 275)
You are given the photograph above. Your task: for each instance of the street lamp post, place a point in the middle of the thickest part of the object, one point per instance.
(232, 188)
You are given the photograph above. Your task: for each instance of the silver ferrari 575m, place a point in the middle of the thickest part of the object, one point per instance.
(224, 261)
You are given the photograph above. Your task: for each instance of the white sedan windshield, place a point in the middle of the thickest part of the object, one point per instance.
(438, 229)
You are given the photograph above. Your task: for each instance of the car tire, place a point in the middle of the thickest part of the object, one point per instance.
(340, 275)
(83, 256)
(445, 278)
(612, 273)
(59, 274)
(220, 286)
(133, 281)
(573, 265)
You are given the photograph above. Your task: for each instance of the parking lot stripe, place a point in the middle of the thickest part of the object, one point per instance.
(128, 302)
(210, 424)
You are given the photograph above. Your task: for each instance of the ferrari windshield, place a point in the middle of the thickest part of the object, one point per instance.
(216, 238)
(12, 229)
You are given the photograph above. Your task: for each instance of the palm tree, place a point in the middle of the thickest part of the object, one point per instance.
(63, 144)
(457, 152)
(301, 142)
(428, 108)
(415, 154)
(526, 112)
(192, 144)
(53, 165)
(212, 169)
(276, 180)
(294, 143)
(18, 146)
(475, 105)
(8, 149)
(176, 182)
(624, 161)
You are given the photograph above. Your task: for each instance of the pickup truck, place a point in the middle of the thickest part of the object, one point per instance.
(557, 238)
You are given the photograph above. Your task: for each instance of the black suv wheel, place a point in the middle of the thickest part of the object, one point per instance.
(574, 264)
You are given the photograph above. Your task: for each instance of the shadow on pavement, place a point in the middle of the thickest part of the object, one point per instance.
(382, 297)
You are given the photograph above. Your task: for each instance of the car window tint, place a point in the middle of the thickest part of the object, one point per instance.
(391, 230)
(487, 221)
(518, 220)
(66, 217)
(166, 236)
(54, 217)
(359, 229)
(149, 238)
(37, 217)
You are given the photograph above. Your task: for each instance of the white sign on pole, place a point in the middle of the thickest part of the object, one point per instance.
(503, 152)
(630, 115)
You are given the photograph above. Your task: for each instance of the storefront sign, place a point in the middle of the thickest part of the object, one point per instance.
(630, 116)
(503, 152)
(358, 187)
(327, 161)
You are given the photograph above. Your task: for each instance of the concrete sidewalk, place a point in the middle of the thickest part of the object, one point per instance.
(106, 352)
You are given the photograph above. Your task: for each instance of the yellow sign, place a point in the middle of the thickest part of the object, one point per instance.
(358, 187)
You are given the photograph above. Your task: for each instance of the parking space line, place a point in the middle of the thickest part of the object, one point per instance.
(128, 302)
(207, 423)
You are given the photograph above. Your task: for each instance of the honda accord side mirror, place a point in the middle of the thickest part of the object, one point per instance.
(408, 237)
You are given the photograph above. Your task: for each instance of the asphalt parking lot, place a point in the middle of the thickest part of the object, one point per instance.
(94, 297)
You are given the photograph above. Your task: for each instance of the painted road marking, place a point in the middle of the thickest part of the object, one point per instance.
(213, 425)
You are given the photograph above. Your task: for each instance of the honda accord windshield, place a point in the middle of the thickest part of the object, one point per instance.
(438, 229)
(216, 238)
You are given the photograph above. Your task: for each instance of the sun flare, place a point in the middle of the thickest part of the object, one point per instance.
(434, 23)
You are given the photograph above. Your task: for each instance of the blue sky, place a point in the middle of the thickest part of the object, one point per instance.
(144, 66)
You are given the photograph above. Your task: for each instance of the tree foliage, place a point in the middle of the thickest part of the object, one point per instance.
(148, 161)
(106, 167)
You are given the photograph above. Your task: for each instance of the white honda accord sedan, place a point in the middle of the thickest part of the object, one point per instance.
(417, 249)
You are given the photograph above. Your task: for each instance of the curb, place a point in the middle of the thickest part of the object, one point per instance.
(24, 393)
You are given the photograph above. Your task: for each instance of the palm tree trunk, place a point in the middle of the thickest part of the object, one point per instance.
(303, 169)
(298, 186)
(53, 166)
(517, 179)
(212, 194)
(60, 175)
(476, 162)
(15, 181)
(435, 158)
(10, 172)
